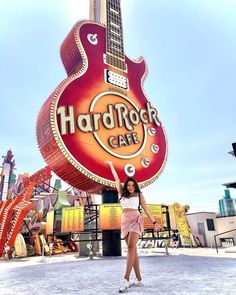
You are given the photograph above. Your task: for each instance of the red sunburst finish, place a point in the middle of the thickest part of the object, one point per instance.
(77, 154)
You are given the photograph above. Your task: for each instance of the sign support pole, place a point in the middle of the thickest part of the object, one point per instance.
(111, 245)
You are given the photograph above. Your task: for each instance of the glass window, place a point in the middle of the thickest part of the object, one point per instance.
(210, 224)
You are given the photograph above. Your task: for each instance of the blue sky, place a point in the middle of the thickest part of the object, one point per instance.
(190, 49)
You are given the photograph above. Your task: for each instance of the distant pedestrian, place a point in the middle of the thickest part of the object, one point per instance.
(131, 199)
(175, 239)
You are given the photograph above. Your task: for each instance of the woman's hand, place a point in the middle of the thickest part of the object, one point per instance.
(157, 227)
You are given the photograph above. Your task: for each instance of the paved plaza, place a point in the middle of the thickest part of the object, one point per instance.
(183, 272)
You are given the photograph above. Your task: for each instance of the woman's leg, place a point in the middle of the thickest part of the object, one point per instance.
(131, 255)
(136, 261)
(136, 266)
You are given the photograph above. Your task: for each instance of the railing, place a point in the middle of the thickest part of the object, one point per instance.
(228, 231)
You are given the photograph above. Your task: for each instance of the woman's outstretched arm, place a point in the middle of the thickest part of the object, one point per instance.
(115, 175)
(148, 212)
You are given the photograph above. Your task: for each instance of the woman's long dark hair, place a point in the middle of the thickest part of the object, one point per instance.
(125, 193)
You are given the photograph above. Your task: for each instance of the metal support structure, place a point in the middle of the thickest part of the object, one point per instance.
(108, 239)
(97, 231)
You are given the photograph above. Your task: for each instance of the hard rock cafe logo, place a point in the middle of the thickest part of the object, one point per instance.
(118, 125)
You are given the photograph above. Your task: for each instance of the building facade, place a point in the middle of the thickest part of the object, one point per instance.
(203, 227)
(227, 205)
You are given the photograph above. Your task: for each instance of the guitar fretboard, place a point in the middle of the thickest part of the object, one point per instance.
(115, 45)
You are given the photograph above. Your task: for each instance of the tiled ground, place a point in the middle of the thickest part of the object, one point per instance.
(181, 273)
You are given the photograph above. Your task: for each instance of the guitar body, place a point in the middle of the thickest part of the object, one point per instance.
(87, 120)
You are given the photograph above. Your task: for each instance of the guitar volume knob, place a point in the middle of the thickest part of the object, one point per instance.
(129, 170)
(154, 148)
(151, 131)
(145, 162)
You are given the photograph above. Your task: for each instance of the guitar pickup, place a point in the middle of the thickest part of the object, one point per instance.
(116, 79)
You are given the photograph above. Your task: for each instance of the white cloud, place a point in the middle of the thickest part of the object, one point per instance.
(77, 9)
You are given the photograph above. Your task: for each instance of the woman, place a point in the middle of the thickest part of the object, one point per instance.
(131, 224)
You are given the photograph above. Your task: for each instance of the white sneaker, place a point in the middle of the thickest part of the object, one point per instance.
(137, 283)
(124, 286)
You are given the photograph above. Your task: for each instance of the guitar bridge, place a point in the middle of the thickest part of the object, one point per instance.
(116, 79)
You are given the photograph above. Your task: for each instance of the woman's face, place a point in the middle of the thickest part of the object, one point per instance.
(130, 187)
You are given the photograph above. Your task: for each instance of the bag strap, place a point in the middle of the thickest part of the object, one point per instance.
(139, 205)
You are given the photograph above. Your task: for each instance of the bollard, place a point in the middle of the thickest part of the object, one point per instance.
(90, 248)
(6, 250)
(50, 248)
(166, 247)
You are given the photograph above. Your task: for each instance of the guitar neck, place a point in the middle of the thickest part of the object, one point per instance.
(114, 35)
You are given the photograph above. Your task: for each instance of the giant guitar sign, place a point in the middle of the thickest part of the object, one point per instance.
(99, 112)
